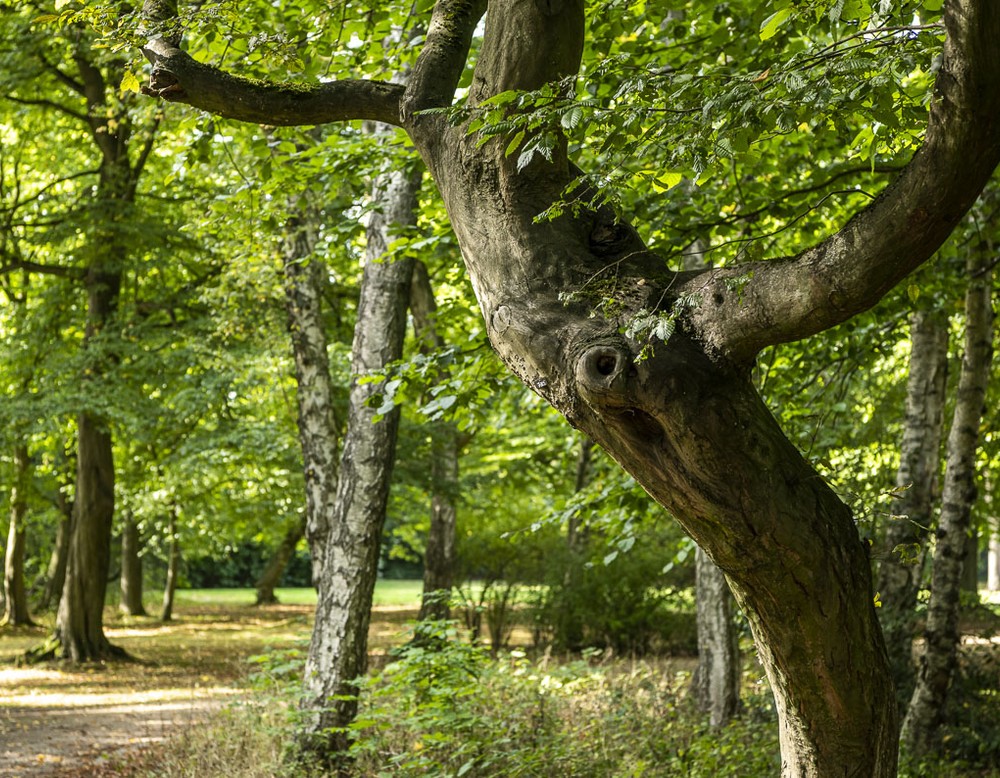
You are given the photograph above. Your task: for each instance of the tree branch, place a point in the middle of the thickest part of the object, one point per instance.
(441, 62)
(179, 78)
(49, 104)
(788, 299)
(14, 265)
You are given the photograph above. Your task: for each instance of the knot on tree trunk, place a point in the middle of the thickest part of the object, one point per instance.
(602, 376)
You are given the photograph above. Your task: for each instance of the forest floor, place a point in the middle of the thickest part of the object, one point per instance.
(71, 723)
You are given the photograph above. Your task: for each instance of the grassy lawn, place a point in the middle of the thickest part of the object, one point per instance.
(387, 593)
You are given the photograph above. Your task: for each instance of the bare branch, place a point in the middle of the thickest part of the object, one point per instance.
(49, 104)
(792, 298)
(179, 78)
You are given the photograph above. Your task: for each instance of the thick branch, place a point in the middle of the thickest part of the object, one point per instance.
(179, 78)
(442, 59)
(788, 299)
(36, 267)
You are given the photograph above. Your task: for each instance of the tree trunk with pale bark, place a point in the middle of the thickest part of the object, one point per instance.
(15, 592)
(338, 651)
(917, 479)
(716, 681)
(686, 422)
(926, 713)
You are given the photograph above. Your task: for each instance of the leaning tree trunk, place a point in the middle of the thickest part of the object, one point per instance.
(131, 576)
(338, 652)
(173, 566)
(439, 556)
(15, 592)
(919, 465)
(282, 555)
(716, 681)
(926, 713)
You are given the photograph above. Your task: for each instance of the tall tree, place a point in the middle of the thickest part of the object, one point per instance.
(15, 593)
(925, 715)
(917, 480)
(717, 677)
(684, 419)
(348, 547)
(130, 580)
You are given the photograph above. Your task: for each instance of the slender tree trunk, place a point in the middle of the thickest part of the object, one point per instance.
(577, 536)
(338, 651)
(271, 576)
(56, 574)
(917, 479)
(15, 593)
(305, 277)
(716, 681)
(439, 557)
(131, 575)
(921, 727)
(173, 567)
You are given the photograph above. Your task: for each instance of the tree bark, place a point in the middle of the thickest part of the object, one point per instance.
(919, 466)
(993, 564)
(925, 715)
(15, 592)
(173, 567)
(271, 576)
(338, 650)
(319, 430)
(716, 680)
(970, 565)
(439, 556)
(131, 575)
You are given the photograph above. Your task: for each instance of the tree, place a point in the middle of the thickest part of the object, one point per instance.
(925, 714)
(683, 416)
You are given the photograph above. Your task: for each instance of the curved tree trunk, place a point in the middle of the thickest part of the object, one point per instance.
(439, 557)
(338, 652)
(131, 575)
(925, 715)
(15, 592)
(282, 555)
(716, 681)
(917, 479)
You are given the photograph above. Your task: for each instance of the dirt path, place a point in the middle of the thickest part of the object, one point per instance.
(42, 741)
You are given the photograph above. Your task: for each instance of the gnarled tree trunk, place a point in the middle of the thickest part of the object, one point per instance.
(919, 465)
(925, 715)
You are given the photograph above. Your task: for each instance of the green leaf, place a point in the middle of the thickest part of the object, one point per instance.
(769, 27)
(129, 83)
(571, 118)
(514, 143)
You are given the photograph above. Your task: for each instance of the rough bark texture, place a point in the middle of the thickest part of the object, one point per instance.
(439, 556)
(918, 477)
(130, 582)
(271, 576)
(716, 681)
(921, 727)
(687, 422)
(173, 567)
(15, 592)
(338, 652)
